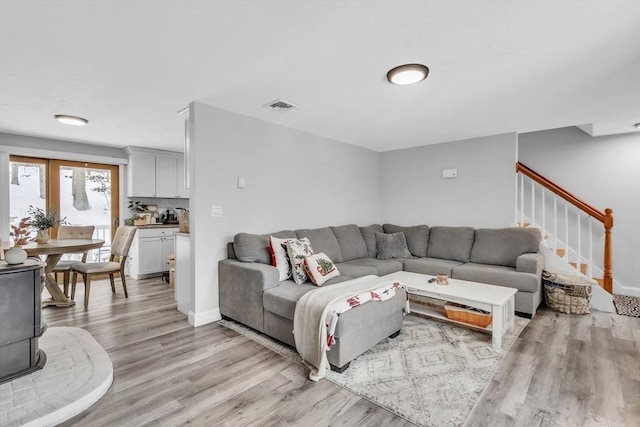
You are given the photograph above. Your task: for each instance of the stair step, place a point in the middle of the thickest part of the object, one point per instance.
(523, 224)
(600, 281)
(583, 267)
(560, 252)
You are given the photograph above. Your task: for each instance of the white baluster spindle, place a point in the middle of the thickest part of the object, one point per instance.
(533, 203)
(579, 262)
(590, 268)
(555, 222)
(566, 231)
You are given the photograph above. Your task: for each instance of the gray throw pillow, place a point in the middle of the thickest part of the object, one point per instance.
(392, 246)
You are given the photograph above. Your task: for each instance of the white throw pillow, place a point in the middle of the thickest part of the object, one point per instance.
(280, 257)
(298, 249)
(320, 268)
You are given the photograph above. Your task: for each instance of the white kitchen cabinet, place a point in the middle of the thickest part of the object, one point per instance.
(141, 168)
(166, 176)
(155, 173)
(149, 252)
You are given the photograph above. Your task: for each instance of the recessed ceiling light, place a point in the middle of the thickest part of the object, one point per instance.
(407, 74)
(71, 120)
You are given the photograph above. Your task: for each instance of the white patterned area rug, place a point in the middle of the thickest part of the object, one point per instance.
(432, 374)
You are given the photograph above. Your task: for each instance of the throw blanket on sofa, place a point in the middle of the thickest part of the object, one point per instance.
(317, 312)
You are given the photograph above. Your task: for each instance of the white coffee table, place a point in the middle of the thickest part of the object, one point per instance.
(497, 300)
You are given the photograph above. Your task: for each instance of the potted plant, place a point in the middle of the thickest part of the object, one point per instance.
(136, 209)
(21, 233)
(42, 221)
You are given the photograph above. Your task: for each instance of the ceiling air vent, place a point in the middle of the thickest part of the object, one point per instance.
(280, 105)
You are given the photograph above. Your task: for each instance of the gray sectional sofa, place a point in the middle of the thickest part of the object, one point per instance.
(251, 293)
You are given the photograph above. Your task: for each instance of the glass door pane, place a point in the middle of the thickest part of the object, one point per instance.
(28, 186)
(85, 198)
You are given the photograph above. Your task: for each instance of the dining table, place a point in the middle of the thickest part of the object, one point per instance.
(53, 251)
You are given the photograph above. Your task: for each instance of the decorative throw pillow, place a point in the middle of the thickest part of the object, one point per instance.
(320, 268)
(297, 250)
(392, 246)
(280, 257)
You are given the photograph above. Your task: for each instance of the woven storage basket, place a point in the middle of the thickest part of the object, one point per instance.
(465, 315)
(569, 298)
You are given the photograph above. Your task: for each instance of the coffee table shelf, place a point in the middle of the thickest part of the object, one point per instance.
(434, 313)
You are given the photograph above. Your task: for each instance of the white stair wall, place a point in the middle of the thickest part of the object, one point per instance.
(601, 300)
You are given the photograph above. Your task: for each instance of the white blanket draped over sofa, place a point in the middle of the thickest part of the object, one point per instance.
(317, 312)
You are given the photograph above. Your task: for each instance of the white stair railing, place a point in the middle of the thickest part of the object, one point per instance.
(570, 233)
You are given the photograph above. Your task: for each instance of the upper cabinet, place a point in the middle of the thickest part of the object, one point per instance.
(155, 173)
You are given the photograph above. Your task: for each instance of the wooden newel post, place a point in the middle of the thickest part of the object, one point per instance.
(608, 276)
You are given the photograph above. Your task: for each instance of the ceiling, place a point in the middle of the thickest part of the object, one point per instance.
(495, 67)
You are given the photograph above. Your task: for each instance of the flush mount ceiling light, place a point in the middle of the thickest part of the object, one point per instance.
(71, 120)
(637, 126)
(407, 74)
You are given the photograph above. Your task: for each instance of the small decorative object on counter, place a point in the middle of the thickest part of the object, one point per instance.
(15, 255)
(43, 220)
(183, 220)
(442, 279)
(136, 209)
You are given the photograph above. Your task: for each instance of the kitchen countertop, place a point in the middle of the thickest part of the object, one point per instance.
(158, 226)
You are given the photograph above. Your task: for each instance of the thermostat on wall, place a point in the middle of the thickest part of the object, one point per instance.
(450, 173)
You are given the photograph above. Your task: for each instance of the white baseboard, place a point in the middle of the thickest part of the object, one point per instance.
(199, 319)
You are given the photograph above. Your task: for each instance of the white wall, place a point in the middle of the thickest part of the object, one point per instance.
(23, 145)
(604, 172)
(414, 192)
(293, 180)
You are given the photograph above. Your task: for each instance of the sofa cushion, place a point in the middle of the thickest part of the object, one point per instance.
(282, 299)
(417, 237)
(320, 268)
(392, 246)
(280, 257)
(352, 245)
(255, 247)
(430, 266)
(322, 240)
(370, 238)
(355, 270)
(452, 243)
(298, 249)
(374, 313)
(382, 266)
(497, 275)
(503, 246)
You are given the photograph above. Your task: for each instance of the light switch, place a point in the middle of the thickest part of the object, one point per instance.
(450, 173)
(216, 211)
(240, 182)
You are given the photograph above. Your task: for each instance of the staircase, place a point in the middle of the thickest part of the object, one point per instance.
(576, 236)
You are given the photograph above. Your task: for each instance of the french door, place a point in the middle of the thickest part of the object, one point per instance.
(83, 193)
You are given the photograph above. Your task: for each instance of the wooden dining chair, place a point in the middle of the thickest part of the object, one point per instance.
(119, 252)
(64, 266)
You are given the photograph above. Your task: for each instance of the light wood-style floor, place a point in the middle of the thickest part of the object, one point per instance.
(562, 371)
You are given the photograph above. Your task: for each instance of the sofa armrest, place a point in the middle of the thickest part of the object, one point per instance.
(530, 263)
(241, 285)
